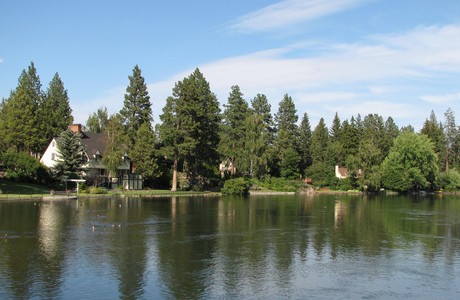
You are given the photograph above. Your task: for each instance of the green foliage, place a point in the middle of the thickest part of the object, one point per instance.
(287, 135)
(449, 181)
(305, 143)
(190, 128)
(116, 145)
(279, 184)
(322, 174)
(434, 130)
(320, 142)
(143, 153)
(137, 107)
(19, 128)
(21, 167)
(290, 162)
(236, 186)
(56, 112)
(344, 184)
(30, 118)
(411, 164)
(70, 158)
(96, 190)
(97, 122)
(233, 142)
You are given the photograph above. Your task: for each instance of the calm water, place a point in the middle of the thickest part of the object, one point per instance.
(270, 247)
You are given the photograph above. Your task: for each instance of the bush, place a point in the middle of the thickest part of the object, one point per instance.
(237, 186)
(344, 184)
(21, 167)
(281, 184)
(449, 181)
(97, 190)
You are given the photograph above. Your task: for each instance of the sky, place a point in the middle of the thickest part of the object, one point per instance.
(398, 58)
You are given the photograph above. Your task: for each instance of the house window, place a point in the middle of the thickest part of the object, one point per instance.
(53, 156)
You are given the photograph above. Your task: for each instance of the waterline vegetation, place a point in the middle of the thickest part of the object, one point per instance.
(198, 147)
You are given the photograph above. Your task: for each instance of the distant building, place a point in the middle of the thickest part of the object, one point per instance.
(94, 145)
(341, 172)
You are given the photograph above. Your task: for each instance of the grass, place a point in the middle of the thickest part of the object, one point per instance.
(11, 187)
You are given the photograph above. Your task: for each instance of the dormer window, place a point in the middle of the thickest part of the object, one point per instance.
(97, 156)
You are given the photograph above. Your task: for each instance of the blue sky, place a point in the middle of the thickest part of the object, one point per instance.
(391, 57)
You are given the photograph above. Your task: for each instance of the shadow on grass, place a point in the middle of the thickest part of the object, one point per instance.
(11, 187)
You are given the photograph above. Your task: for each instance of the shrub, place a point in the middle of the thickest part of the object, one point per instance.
(21, 167)
(344, 184)
(97, 190)
(237, 186)
(281, 184)
(449, 181)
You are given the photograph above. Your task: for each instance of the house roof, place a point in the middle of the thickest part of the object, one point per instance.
(343, 172)
(93, 143)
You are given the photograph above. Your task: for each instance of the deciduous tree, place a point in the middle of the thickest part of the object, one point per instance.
(411, 163)
(97, 122)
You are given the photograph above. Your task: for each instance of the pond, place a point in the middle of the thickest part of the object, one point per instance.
(270, 247)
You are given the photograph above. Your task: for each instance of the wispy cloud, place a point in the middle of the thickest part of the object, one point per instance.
(377, 76)
(441, 99)
(289, 12)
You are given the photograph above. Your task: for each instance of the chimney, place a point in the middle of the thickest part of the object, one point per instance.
(75, 128)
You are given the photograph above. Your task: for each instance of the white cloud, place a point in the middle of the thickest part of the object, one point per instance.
(441, 99)
(348, 78)
(289, 12)
(325, 97)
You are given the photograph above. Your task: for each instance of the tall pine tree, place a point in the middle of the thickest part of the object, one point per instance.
(190, 129)
(57, 114)
(287, 135)
(233, 130)
(70, 156)
(136, 106)
(20, 128)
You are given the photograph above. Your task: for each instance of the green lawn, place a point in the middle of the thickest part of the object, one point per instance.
(10, 187)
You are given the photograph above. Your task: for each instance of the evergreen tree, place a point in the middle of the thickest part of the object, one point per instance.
(320, 143)
(434, 130)
(268, 160)
(257, 141)
(290, 164)
(287, 133)
(452, 139)
(143, 153)
(262, 108)
(286, 124)
(190, 129)
(56, 113)
(70, 156)
(391, 132)
(233, 130)
(97, 122)
(305, 143)
(136, 107)
(336, 141)
(349, 139)
(322, 168)
(20, 128)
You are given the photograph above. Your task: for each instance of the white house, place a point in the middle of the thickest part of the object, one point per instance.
(341, 172)
(94, 146)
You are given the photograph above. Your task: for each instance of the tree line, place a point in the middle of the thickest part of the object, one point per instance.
(198, 145)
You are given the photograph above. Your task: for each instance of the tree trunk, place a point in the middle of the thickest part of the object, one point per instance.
(174, 176)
